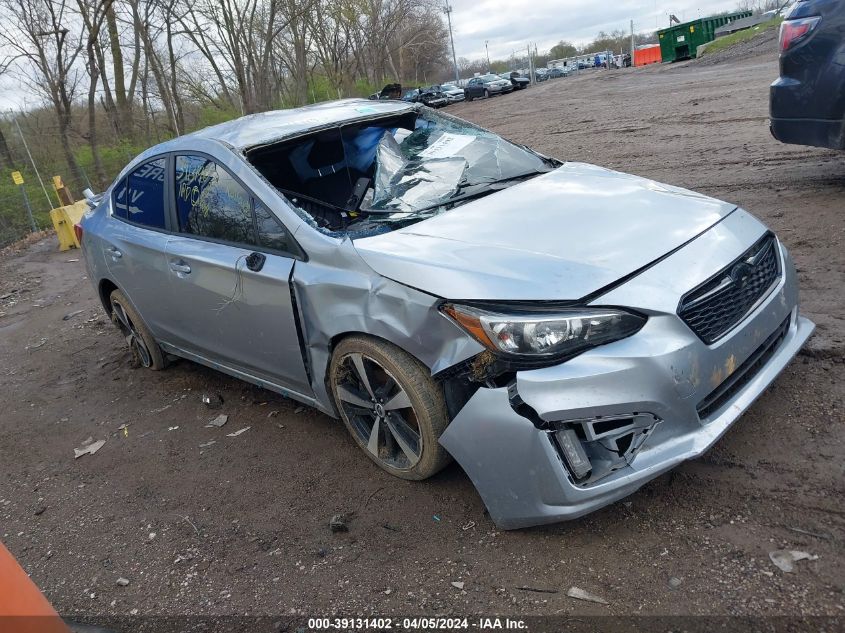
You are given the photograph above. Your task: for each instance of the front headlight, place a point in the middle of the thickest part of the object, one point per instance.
(555, 334)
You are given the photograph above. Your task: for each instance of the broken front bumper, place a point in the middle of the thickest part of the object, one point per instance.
(680, 395)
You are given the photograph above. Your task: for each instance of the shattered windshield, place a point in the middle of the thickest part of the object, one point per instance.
(371, 176)
(441, 158)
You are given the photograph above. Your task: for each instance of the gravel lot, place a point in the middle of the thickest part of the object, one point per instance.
(241, 526)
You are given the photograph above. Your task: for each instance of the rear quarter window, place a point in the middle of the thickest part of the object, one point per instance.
(119, 200)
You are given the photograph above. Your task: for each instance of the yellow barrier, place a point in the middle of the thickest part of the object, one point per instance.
(63, 220)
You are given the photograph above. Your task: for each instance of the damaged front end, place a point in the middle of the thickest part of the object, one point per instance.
(595, 447)
(522, 340)
(555, 442)
(591, 448)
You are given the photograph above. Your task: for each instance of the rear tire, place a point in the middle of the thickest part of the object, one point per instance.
(145, 350)
(390, 405)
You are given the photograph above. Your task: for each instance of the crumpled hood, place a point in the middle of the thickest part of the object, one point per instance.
(559, 236)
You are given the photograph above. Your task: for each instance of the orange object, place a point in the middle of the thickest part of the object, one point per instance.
(471, 323)
(23, 609)
(647, 55)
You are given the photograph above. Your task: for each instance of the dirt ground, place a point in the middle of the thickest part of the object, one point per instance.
(241, 526)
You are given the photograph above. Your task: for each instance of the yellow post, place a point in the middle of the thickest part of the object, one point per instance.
(63, 220)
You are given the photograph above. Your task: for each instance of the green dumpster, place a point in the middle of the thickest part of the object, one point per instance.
(682, 40)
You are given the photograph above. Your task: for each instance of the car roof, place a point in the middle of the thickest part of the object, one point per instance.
(267, 127)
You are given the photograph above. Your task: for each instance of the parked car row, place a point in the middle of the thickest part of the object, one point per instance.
(435, 96)
(492, 84)
(543, 74)
(432, 96)
(487, 85)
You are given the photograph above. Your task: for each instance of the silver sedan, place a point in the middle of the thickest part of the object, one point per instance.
(565, 332)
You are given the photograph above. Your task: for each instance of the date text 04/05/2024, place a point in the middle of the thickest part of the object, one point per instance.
(417, 624)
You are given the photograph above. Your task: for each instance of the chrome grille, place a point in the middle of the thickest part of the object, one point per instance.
(718, 305)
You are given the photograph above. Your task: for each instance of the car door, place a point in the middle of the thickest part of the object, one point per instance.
(473, 88)
(135, 244)
(230, 268)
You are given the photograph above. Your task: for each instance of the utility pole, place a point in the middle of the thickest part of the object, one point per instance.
(530, 67)
(28, 153)
(632, 42)
(452, 40)
(486, 48)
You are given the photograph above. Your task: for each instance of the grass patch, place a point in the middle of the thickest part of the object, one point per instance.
(728, 41)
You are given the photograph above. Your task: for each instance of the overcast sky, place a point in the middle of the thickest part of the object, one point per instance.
(510, 25)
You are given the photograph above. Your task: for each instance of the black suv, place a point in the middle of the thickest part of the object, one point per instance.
(808, 99)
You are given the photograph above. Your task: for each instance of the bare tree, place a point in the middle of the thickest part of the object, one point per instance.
(5, 155)
(419, 44)
(148, 23)
(331, 27)
(160, 67)
(119, 104)
(45, 55)
(93, 14)
(240, 39)
(6, 160)
(195, 27)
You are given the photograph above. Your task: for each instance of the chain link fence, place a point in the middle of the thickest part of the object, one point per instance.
(31, 141)
(14, 218)
(15, 223)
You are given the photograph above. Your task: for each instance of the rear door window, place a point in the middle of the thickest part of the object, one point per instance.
(142, 199)
(211, 203)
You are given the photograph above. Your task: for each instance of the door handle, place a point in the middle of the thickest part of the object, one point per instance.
(115, 253)
(180, 268)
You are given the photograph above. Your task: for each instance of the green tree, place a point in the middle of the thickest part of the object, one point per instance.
(562, 50)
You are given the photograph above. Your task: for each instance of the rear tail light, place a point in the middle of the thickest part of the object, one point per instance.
(793, 31)
(77, 231)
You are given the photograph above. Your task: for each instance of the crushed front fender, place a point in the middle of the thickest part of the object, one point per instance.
(521, 476)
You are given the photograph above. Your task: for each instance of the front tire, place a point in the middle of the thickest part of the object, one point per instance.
(145, 350)
(486, 93)
(391, 406)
